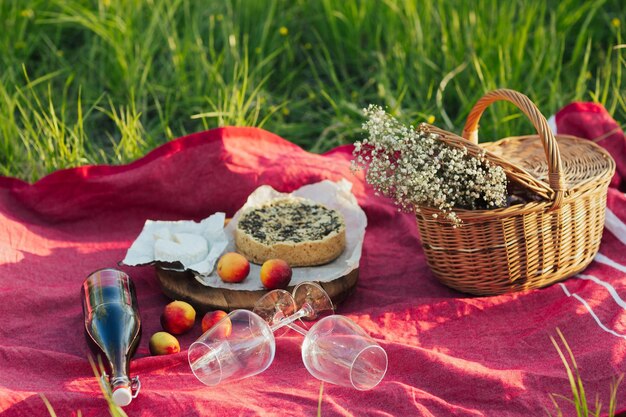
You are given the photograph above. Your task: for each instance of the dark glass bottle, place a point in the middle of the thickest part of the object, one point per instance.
(113, 327)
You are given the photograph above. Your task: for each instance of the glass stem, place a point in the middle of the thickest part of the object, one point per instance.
(297, 328)
(306, 310)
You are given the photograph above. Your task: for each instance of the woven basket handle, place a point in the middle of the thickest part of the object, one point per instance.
(551, 148)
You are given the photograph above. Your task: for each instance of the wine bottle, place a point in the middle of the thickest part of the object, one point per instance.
(113, 327)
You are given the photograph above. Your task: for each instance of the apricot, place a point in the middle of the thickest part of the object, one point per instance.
(211, 318)
(163, 343)
(275, 273)
(233, 267)
(178, 317)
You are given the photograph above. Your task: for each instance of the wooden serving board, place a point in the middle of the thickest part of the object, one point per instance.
(183, 286)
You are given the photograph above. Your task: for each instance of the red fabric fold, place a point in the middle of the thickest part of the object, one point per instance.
(592, 121)
(449, 353)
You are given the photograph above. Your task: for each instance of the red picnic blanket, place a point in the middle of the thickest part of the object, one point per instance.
(449, 353)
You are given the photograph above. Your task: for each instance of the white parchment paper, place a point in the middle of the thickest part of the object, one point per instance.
(335, 195)
(141, 252)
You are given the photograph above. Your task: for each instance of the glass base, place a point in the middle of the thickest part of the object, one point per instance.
(314, 299)
(274, 306)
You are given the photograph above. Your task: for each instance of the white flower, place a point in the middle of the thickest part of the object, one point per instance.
(417, 169)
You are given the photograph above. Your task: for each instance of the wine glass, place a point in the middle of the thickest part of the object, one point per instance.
(335, 349)
(238, 346)
(338, 351)
(242, 344)
(281, 309)
(274, 306)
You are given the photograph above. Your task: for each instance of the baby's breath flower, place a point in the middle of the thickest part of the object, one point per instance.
(416, 169)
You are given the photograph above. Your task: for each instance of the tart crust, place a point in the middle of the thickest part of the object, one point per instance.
(326, 225)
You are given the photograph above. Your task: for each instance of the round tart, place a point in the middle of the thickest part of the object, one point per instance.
(296, 230)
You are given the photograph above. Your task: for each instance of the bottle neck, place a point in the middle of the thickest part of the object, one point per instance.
(120, 365)
(121, 389)
(119, 381)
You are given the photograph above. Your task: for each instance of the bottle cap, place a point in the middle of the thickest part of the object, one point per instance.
(122, 396)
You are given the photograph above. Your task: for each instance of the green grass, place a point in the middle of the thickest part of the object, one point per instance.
(85, 82)
(580, 400)
(98, 370)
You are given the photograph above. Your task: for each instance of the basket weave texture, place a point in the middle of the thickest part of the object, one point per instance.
(528, 245)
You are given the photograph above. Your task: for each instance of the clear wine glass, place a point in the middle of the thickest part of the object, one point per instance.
(335, 349)
(338, 351)
(240, 345)
(274, 306)
(281, 309)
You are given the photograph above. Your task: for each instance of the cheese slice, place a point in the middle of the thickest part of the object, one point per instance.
(186, 248)
(163, 233)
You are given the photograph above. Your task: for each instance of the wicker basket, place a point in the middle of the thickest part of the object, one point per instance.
(528, 245)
